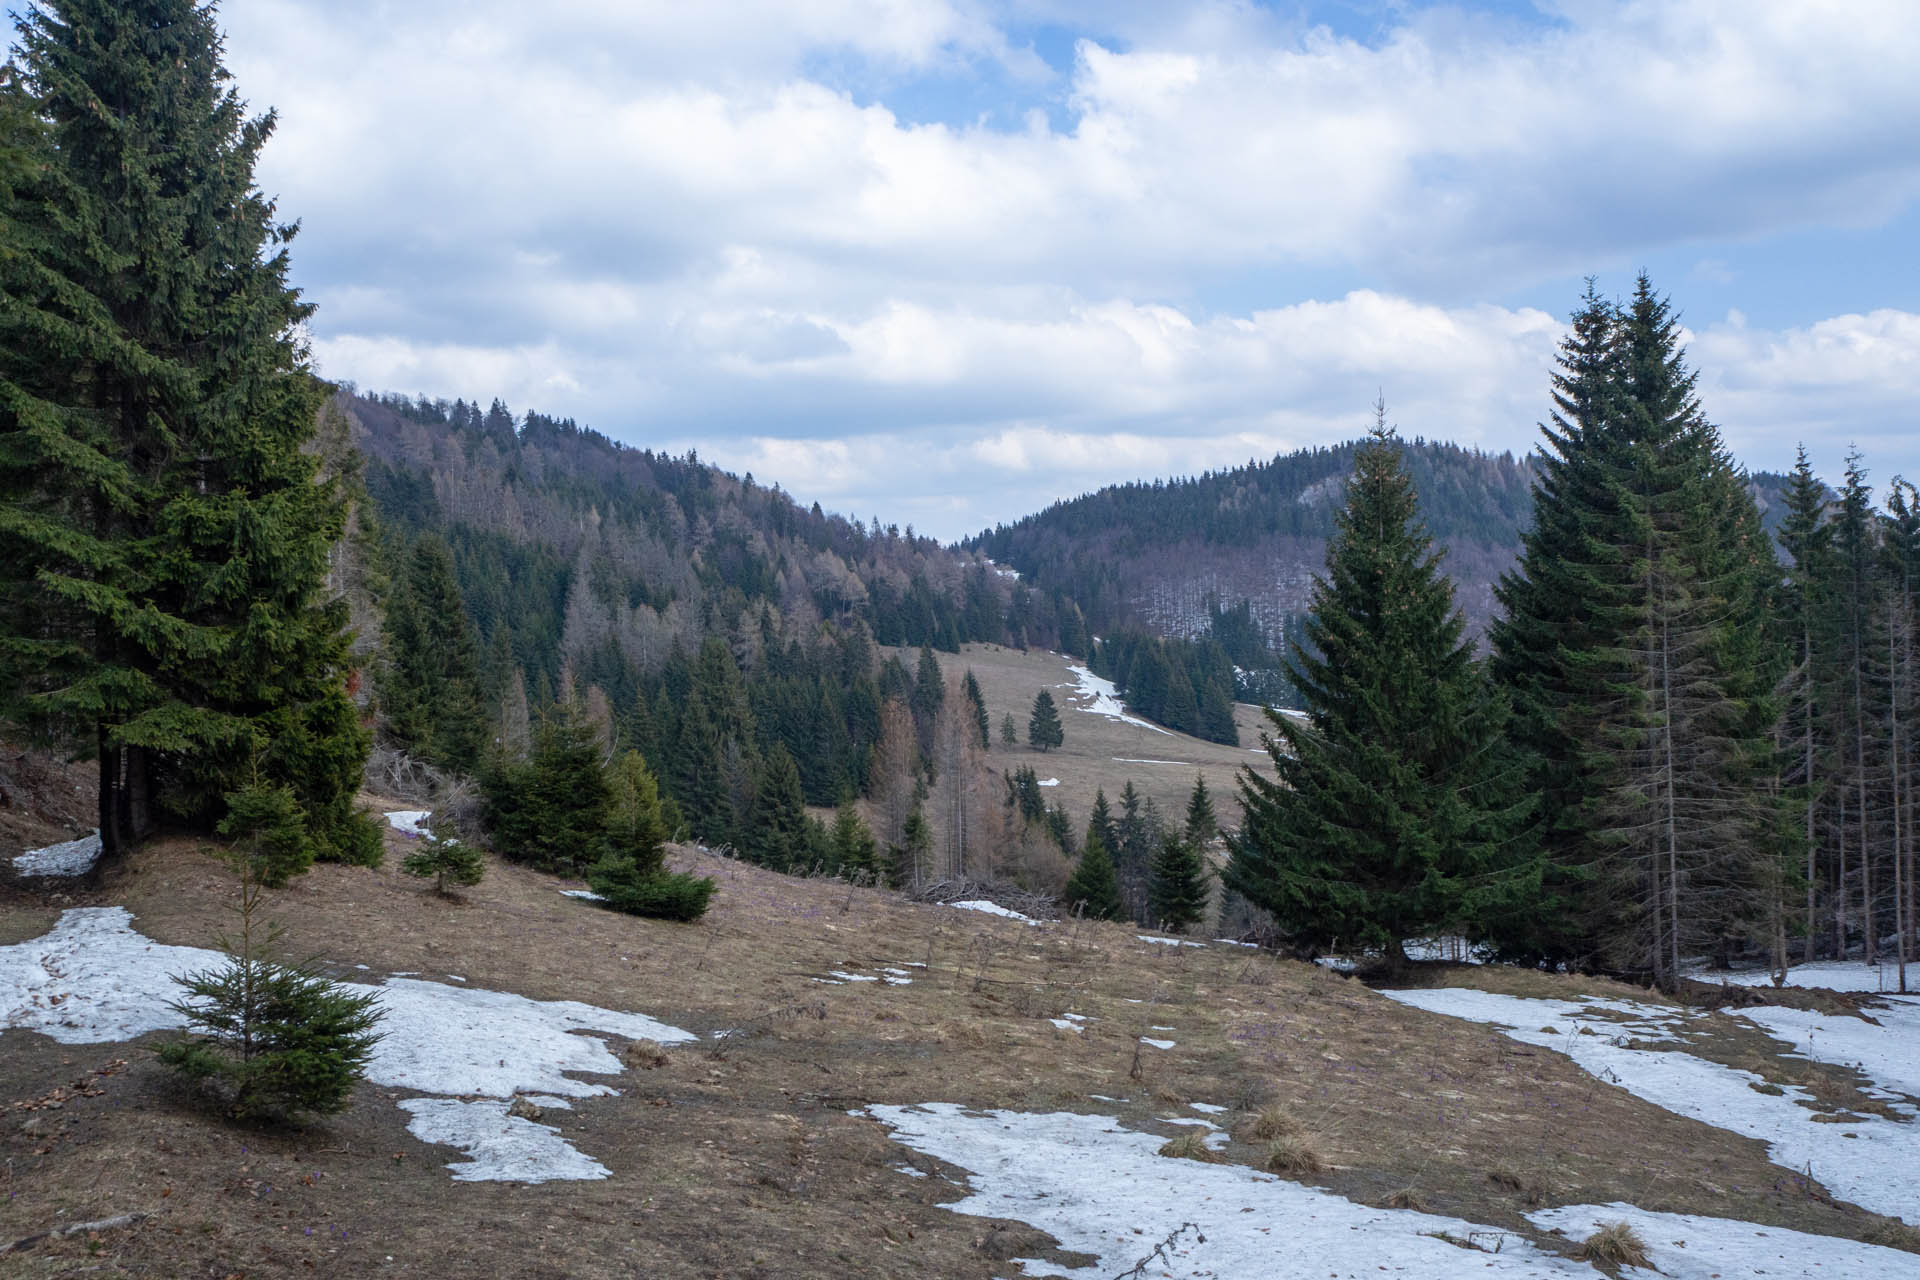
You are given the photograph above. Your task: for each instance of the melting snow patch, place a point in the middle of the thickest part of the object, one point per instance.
(1834, 975)
(74, 858)
(1888, 1054)
(1130, 760)
(1158, 1044)
(1101, 1189)
(852, 977)
(407, 821)
(500, 1147)
(992, 909)
(1104, 700)
(1168, 942)
(1871, 1161)
(93, 979)
(1686, 1247)
(909, 1170)
(1210, 1108)
(585, 895)
(1047, 782)
(1066, 1024)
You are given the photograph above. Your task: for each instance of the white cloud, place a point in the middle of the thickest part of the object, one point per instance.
(704, 224)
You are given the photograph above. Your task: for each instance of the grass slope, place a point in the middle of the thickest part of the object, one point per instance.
(1100, 751)
(743, 1160)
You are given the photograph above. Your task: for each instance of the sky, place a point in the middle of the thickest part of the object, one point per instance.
(947, 261)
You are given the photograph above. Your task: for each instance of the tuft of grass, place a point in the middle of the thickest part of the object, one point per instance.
(644, 1055)
(1892, 1233)
(1274, 1121)
(1191, 1145)
(1293, 1155)
(1407, 1198)
(1615, 1244)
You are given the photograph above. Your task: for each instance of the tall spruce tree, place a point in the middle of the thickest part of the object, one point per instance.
(165, 551)
(1393, 812)
(1202, 826)
(1043, 726)
(430, 687)
(1639, 656)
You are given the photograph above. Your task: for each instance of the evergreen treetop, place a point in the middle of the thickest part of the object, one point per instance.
(1044, 731)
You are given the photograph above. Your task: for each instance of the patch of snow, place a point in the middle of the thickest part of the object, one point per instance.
(93, 979)
(457, 978)
(1101, 1189)
(1887, 1054)
(1066, 1024)
(499, 1147)
(1158, 1044)
(1129, 760)
(1872, 1161)
(852, 977)
(1169, 942)
(1834, 975)
(909, 1170)
(408, 821)
(1193, 1120)
(549, 1101)
(1104, 700)
(1101, 1097)
(1235, 942)
(1047, 782)
(992, 909)
(585, 895)
(1211, 1108)
(1456, 950)
(898, 973)
(1160, 1028)
(1688, 1247)
(73, 858)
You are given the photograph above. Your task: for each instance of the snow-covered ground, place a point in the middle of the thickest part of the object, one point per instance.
(1169, 942)
(992, 909)
(94, 979)
(73, 858)
(408, 822)
(1104, 700)
(1834, 975)
(1688, 1247)
(1102, 1189)
(1872, 1161)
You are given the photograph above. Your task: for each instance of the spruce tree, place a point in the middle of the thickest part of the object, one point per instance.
(446, 860)
(1100, 821)
(550, 810)
(1177, 885)
(1202, 826)
(776, 831)
(854, 851)
(1094, 890)
(1043, 726)
(1009, 732)
(1390, 815)
(430, 687)
(631, 874)
(163, 596)
(914, 853)
(978, 701)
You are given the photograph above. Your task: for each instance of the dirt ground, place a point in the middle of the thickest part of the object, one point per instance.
(743, 1160)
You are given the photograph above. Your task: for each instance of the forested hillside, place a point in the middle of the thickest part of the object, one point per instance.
(574, 551)
(1161, 554)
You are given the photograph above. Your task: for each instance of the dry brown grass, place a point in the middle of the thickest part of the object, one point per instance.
(1292, 1154)
(1616, 1244)
(1407, 1198)
(1273, 1121)
(1191, 1145)
(748, 1163)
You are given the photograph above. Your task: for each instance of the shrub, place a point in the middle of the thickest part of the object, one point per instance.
(1274, 1121)
(663, 895)
(270, 1040)
(448, 862)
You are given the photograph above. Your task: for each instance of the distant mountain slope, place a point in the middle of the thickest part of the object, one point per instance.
(572, 549)
(1155, 554)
